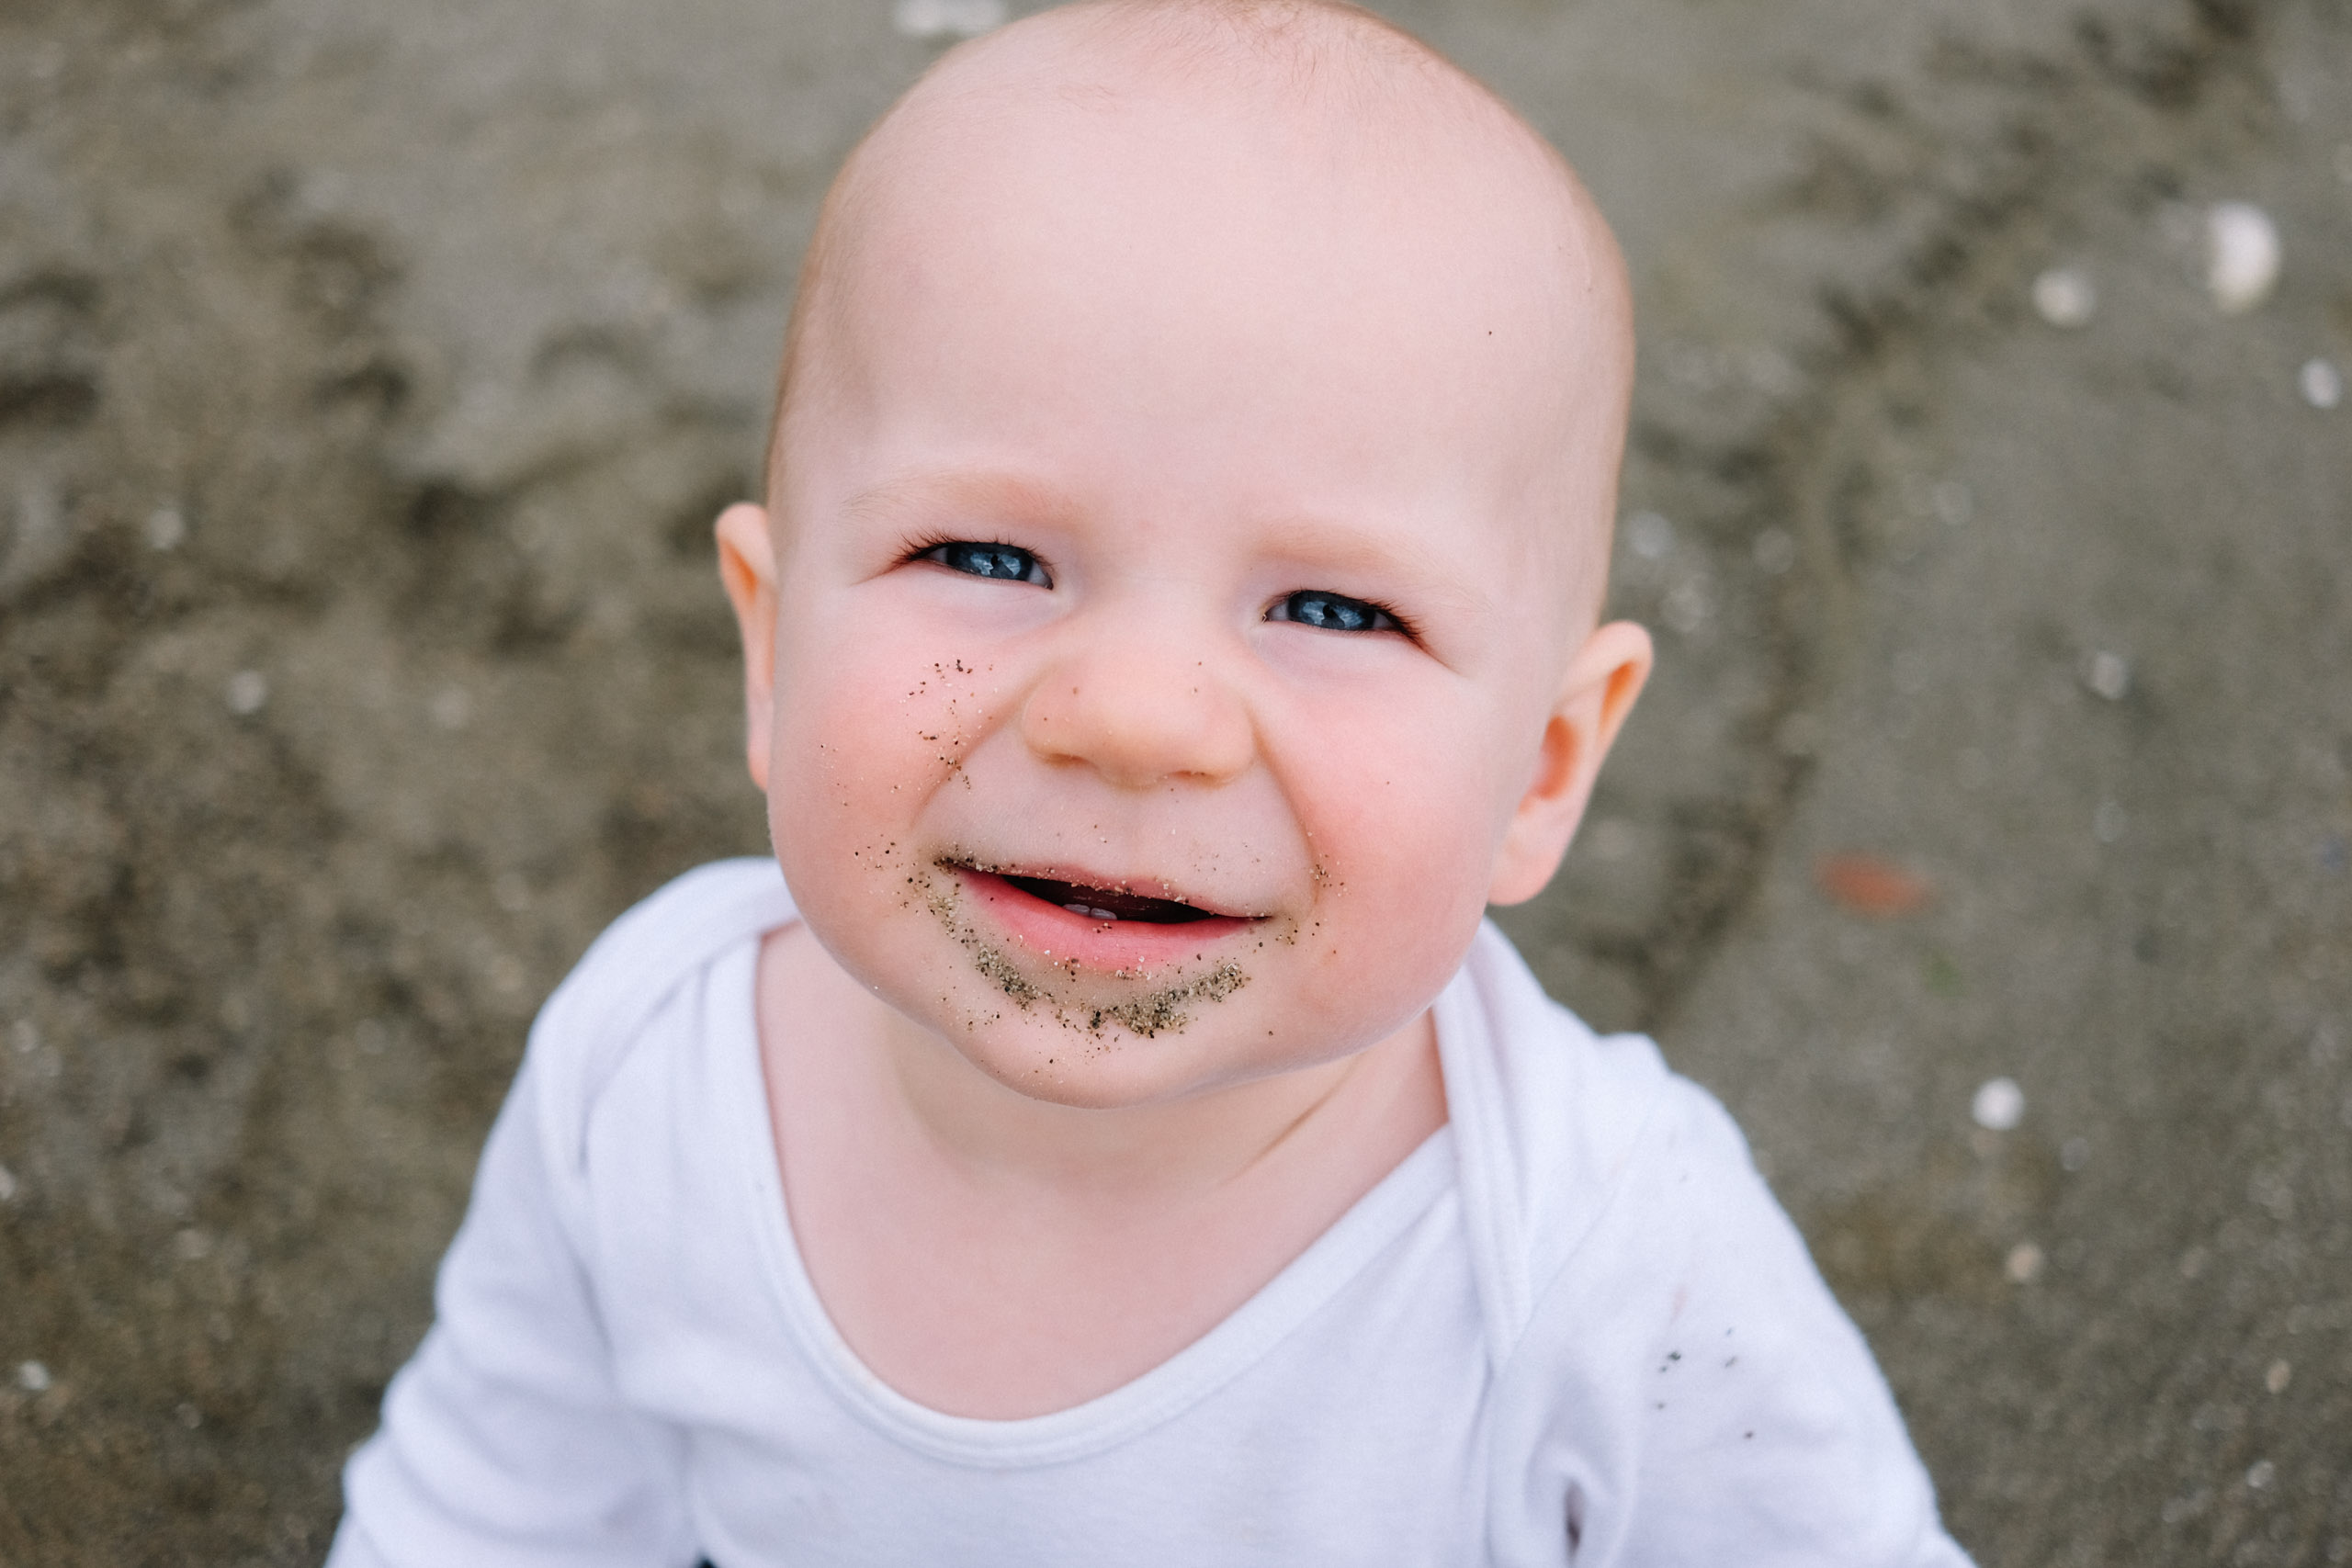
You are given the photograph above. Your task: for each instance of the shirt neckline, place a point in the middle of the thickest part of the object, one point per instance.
(1368, 1227)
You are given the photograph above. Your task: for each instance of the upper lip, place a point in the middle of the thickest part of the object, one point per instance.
(1083, 882)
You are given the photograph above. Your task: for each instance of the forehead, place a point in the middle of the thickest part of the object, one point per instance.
(1240, 276)
(1188, 276)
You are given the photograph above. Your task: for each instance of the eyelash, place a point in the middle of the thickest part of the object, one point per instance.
(923, 546)
(1386, 619)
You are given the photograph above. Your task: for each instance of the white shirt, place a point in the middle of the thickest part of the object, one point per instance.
(1573, 1326)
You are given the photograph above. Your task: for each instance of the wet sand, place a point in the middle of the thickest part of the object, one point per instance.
(368, 380)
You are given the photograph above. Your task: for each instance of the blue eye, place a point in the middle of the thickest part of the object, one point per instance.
(1332, 612)
(1008, 562)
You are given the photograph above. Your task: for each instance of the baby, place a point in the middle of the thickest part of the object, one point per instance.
(1114, 1138)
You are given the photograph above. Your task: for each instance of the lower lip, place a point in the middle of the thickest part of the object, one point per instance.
(1131, 946)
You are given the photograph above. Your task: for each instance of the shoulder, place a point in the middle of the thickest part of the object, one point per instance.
(1675, 1375)
(1563, 1126)
(632, 971)
(677, 927)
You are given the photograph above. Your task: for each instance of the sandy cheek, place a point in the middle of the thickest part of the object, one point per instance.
(861, 753)
(1399, 898)
(861, 746)
(842, 815)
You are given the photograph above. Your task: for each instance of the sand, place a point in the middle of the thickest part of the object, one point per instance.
(369, 377)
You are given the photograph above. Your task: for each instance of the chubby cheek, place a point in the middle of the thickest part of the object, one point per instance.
(866, 731)
(1405, 852)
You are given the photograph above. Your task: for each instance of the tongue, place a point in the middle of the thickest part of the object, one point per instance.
(1104, 904)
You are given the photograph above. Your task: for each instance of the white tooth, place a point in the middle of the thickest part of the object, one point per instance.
(1089, 911)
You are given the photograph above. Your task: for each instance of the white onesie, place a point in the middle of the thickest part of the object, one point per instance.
(1572, 1327)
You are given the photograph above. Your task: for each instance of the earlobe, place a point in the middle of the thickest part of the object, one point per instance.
(747, 570)
(1602, 682)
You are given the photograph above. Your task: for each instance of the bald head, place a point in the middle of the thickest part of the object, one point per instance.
(1206, 159)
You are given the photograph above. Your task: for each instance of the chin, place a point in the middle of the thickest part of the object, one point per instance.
(1061, 1055)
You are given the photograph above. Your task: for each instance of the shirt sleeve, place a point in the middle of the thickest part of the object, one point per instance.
(505, 1440)
(1689, 1393)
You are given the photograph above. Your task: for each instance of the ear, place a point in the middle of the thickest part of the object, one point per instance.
(747, 566)
(1602, 682)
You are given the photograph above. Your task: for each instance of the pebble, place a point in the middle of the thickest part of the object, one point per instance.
(2321, 383)
(166, 528)
(8, 1185)
(2065, 297)
(33, 1377)
(1869, 885)
(2024, 1263)
(2241, 256)
(2260, 1474)
(248, 690)
(2277, 1378)
(1999, 1105)
(932, 20)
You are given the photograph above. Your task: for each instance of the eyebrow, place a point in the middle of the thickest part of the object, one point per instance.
(1409, 555)
(986, 491)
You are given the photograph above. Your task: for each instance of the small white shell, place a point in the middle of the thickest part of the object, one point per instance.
(2241, 256)
(1650, 534)
(2321, 383)
(1999, 1105)
(247, 691)
(2065, 297)
(2108, 674)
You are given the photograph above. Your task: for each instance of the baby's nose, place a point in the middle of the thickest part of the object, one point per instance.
(1141, 709)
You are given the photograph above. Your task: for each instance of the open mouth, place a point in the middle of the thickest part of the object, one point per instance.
(1109, 903)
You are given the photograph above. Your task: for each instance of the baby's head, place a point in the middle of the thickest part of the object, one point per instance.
(1172, 619)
